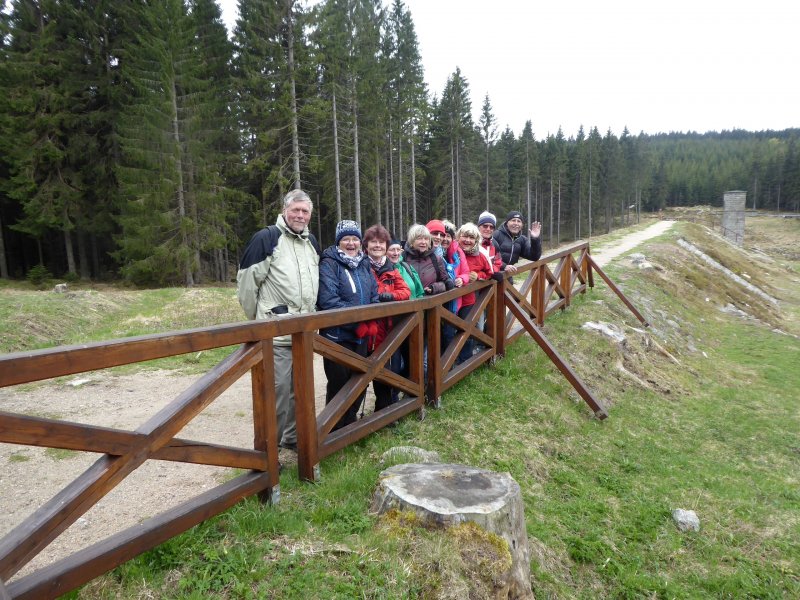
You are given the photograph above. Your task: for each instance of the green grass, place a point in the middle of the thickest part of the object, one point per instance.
(31, 319)
(18, 457)
(716, 432)
(60, 453)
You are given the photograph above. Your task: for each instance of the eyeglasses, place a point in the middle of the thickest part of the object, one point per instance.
(487, 226)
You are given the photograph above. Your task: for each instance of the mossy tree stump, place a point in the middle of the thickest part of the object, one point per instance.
(446, 495)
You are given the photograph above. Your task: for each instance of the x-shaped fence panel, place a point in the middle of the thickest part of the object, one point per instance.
(122, 453)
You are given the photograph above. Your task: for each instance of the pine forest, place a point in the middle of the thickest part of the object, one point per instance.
(140, 141)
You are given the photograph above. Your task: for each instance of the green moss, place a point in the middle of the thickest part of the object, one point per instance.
(60, 453)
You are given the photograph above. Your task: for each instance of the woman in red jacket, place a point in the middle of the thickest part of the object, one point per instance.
(479, 269)
(391, 286)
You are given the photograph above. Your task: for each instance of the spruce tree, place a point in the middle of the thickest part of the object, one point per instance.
(162, 148)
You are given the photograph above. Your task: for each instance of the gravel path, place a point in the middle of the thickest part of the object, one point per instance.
(605, 255)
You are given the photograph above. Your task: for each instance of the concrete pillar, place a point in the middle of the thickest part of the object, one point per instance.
(733, 216)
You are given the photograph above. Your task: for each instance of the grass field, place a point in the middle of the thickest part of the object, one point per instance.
(703, 415)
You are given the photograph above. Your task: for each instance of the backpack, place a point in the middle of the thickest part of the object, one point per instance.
(263, 244)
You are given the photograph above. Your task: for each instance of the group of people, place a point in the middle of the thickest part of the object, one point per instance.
(284, 271)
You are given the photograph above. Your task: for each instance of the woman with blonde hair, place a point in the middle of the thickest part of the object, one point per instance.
(419, 254)
(469, 237)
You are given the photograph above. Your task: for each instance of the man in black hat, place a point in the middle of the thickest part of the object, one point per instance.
(513, 244)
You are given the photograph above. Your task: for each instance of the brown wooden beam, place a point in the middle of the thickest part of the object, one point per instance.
(44, 525)
(617, 291)
(37, 431)
(75, 570)
(555, 357)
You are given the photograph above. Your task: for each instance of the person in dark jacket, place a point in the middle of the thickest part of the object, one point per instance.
(513, 245)
(419, 254)
(345, 279)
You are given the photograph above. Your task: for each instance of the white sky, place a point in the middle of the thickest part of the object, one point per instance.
(653, 66)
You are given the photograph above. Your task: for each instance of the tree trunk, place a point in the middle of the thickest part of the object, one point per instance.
(68, 244)
(3, 259)
(558, 216)
(413, 182)
(70, 254)
(356, 167)
(391, 177)
(95, 256)
(449, 495)
(176, 138)
(400, 219)
(336, 161)
(459, 199)
(528, 180)
(580, 205)
(487, 175)
(83, 257)
(550, 213)
(290, 61)
(755, 190)
(386, 195)
(378, 186)
(590, 194)
(453, 181)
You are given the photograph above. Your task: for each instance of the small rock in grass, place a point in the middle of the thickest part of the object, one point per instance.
(686, 520)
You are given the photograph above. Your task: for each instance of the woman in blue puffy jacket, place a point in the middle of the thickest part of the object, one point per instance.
(345, 279)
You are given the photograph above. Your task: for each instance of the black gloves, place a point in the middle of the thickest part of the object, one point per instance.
(498, 276)
(385, 297)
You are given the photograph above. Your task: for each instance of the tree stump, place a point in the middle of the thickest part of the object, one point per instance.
(447, 494)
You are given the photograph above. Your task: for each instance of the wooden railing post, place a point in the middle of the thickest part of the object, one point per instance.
(497, 317)
(566, 280)
(434, 341)
(305, 408)
(416, 350)
(537, 293)
(265, 421)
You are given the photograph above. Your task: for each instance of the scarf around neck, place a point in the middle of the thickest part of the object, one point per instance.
(377, 264)
(350, 261)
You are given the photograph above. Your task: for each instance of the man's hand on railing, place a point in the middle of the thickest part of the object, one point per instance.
(385, 297)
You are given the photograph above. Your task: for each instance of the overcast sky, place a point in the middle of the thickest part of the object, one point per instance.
(653, 66)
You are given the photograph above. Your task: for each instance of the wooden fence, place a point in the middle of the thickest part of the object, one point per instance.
(549, 285)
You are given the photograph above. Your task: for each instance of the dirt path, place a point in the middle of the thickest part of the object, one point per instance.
(31, 476)
(605, 254)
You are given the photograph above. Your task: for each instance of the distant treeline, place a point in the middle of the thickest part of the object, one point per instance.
(138, 141)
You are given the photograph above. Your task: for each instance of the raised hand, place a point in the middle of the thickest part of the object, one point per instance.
(536, 229)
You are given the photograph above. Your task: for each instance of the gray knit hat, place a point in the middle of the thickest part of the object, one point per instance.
(487, 217)
(347, 227)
